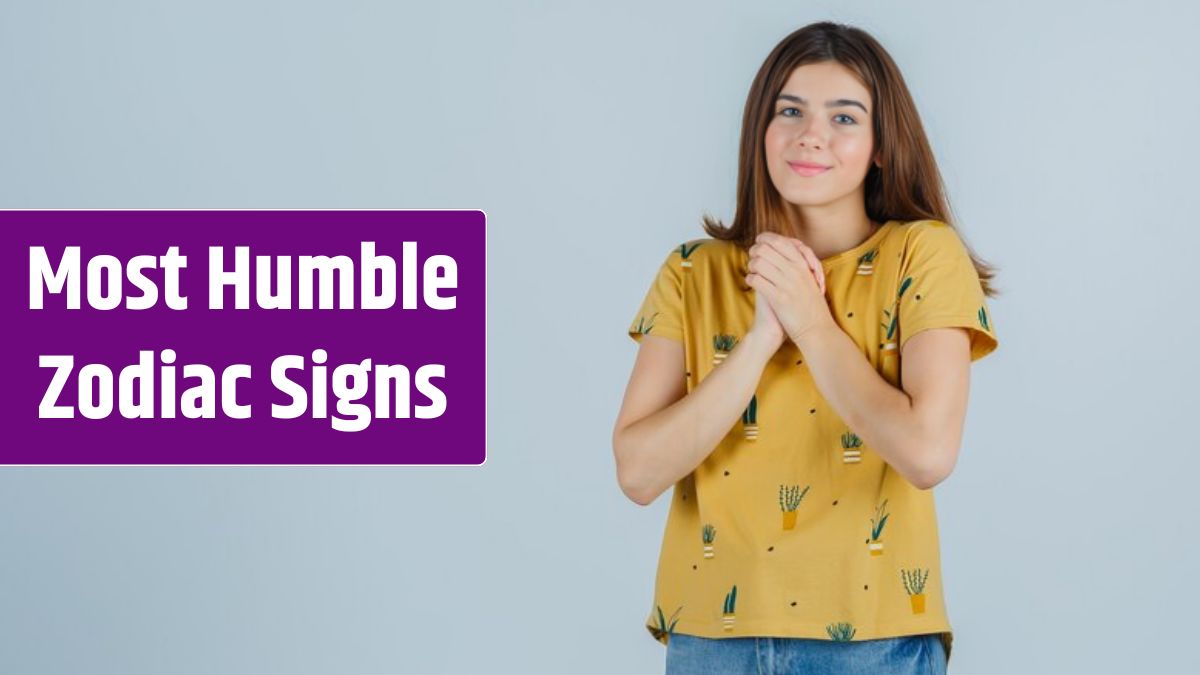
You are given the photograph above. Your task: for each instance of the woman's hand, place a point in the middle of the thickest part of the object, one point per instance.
(766, 323)
(788, 274)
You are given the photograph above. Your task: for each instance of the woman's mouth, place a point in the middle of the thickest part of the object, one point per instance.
(808, 169)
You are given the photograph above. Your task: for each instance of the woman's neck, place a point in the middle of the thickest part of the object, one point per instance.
(829, 232)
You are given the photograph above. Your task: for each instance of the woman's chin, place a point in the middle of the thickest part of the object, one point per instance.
(805, 198)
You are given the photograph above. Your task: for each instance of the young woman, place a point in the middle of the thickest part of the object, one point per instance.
(801, 381)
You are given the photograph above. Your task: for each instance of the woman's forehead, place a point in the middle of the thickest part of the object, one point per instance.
(823, 83)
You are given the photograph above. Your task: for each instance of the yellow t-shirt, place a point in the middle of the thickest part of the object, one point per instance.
(792, 527)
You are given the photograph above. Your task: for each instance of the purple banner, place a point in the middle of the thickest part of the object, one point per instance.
(243, 337)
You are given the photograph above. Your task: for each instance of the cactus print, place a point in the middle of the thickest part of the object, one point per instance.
(840, 632)
(708, 535)
(790, 497)
(914, 585)
(685, 254)
(644, 325)
(722, 345)
(851, 448)
(750, 420)
(874, 545)
(866, 264)
(727, 612)
(665, 627)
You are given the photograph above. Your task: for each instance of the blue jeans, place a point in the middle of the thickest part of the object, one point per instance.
(904, 655)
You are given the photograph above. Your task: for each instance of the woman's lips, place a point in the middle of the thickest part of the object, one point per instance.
(806, 170)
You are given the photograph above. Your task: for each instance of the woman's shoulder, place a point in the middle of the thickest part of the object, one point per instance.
(925, 227)
(929, 242)
(925, 233)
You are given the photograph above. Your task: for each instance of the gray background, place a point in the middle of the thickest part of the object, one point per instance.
(594, 135)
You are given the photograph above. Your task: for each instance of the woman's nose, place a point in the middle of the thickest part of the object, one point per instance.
(811, 136)
(810, 140)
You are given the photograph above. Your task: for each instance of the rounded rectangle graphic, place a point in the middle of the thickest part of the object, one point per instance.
(244, 337)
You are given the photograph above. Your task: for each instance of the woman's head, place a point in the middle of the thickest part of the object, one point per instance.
(830, 94)
(822, 115)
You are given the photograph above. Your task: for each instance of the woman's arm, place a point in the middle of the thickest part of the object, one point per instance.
(917, 429)
(662, 433)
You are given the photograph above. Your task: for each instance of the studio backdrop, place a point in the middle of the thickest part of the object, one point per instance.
(573, 146)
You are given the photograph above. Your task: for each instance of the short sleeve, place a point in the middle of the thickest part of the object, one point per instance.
(940, 288)
(661, 312)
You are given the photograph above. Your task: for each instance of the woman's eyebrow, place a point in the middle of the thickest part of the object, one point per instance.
(836, 103)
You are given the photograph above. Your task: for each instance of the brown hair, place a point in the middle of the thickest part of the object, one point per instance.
(908, 187)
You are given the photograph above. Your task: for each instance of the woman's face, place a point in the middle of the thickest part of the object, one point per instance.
(822, 116)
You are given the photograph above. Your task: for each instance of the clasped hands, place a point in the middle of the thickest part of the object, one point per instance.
(788, 275)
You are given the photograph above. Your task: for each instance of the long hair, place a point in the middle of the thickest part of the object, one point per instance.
(908, 187)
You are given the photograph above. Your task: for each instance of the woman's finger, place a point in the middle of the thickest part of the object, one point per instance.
(762, 286)
(779, 243)
(773, 253)
(814, 263)
(763, 264)
(793, 251)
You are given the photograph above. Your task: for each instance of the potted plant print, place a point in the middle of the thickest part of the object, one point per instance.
(851, 448)
(685, 252)
(731, 599)
(877, 523)
(892, 316)
(840, 632)
(707, 535)
(789, 501)
(866, 264)
(722, 344)
(644, 326)
(914, 583)
(727, 615)
(750, 420)
(664, 627)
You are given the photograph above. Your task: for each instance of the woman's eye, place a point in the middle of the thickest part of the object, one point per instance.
(795, 112)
